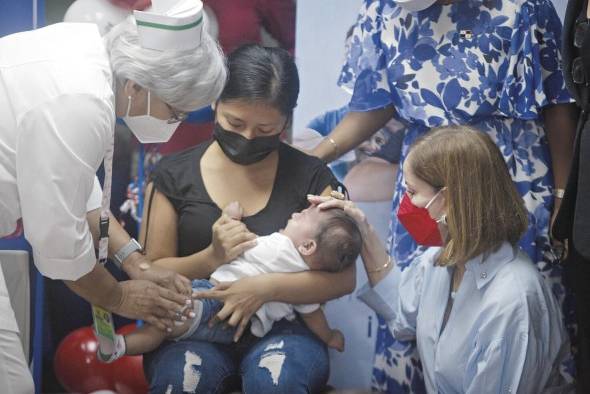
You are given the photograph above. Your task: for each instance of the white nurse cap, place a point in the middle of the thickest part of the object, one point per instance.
(415, 5)
(170, 25)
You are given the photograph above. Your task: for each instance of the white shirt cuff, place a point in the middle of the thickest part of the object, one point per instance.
(382, 298)
(66, 269)
(306, 308)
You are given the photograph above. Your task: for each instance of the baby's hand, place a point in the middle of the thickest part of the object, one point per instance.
(234, 210)
(336, 341)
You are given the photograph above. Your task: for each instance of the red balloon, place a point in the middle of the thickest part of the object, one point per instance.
(76, 366)
(127, 372)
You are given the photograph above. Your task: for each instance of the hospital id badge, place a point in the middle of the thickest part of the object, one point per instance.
(104, 330)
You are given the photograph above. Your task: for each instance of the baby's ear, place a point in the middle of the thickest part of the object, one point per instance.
(234, 210)
(308, 247)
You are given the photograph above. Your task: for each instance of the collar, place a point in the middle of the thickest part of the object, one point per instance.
(485, 267)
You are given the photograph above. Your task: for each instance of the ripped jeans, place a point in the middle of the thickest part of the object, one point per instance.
(288, 359)
(200, 330)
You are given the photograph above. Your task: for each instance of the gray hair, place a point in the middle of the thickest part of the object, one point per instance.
(186, 80)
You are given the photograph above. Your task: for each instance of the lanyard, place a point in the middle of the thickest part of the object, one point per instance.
(103, 319)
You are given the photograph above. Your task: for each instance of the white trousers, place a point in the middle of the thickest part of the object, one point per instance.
(15, 377)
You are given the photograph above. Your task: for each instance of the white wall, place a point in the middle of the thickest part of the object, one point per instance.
(321, 29)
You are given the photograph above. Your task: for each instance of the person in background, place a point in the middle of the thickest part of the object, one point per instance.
(371, 177)
(243, 22)
(572, 226)
(491, 64)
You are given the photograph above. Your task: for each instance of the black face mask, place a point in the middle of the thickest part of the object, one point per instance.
(243, 151)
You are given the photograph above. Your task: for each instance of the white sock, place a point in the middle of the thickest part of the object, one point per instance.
(120, 349)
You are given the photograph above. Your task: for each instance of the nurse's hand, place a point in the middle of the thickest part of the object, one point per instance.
(145, 300)
(230, 239)
(241, 299)
(142, 268)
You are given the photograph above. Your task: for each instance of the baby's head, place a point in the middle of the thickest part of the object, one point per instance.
(328, 240)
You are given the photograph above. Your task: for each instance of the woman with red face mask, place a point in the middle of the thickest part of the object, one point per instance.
(483, 318)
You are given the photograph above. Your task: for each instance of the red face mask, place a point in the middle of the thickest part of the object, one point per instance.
(418, 222)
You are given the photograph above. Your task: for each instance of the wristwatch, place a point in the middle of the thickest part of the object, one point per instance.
(125, 251)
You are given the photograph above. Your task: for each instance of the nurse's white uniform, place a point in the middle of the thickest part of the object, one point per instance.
(57, 117)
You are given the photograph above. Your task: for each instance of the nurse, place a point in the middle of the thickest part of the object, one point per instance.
(483, 318)
(61, 89)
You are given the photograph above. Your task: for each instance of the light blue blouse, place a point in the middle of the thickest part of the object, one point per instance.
(504, 333)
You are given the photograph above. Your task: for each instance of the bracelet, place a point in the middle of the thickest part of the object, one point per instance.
(384, 266)
(558, 193)
(334, 145)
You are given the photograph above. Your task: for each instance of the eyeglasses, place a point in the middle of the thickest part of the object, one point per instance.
(177, 116)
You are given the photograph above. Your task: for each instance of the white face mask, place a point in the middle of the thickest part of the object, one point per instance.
(147, 129)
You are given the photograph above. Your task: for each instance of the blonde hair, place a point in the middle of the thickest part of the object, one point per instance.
(484, 208)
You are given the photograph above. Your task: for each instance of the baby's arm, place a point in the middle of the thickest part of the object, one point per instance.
(317, 323)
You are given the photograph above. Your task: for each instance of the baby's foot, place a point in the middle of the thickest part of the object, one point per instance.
(118, 353)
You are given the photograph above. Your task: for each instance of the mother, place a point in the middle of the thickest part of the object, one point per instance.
(247, 162)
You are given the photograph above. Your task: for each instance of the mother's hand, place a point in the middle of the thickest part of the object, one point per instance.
(241, 299)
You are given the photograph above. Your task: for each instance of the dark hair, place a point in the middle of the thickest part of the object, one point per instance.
(267, 74)
(339, 241)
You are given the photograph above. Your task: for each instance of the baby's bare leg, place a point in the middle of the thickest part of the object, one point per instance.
(143, 340)
(317, 323)
(148, 338)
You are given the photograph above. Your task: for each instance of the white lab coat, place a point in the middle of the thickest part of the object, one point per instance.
(57, 115)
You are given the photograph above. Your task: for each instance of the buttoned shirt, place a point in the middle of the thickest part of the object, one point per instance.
(504, 333)
(56, 118)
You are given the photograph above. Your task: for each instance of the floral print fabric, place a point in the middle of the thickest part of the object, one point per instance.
(492, 64)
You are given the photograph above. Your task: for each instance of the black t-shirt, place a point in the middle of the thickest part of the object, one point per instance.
(178, 177)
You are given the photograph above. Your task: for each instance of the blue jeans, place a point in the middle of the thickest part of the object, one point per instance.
(219, 333)
(288, 359)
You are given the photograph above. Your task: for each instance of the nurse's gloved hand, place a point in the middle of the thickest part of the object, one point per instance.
(145, 300)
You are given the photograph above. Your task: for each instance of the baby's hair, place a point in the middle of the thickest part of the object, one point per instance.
(339, 241)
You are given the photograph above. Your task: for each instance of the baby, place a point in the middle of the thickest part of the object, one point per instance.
(313, 239)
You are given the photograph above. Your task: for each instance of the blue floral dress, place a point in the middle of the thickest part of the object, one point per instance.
(491, 64)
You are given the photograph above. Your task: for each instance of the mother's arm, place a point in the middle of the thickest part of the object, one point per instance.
(245, 296)
(230, 238)
(310, 287)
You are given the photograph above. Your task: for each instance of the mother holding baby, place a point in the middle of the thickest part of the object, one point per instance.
(185, 230)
